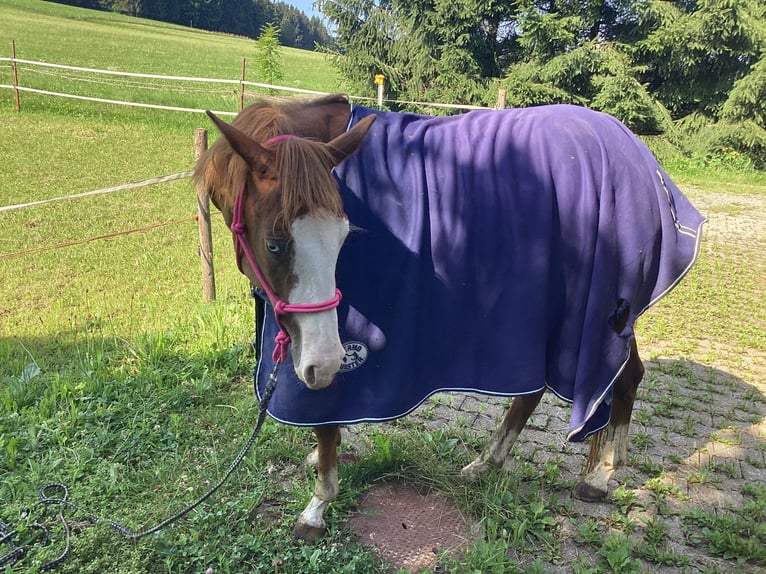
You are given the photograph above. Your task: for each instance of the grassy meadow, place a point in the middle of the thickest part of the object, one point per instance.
(116, 378)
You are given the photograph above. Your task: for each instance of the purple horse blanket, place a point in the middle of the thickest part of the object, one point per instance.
(491, 253)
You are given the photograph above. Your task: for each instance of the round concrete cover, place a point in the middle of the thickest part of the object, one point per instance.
(409, 529)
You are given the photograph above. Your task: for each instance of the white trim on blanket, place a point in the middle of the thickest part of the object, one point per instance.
(404, 414)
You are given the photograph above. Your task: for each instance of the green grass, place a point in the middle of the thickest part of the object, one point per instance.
(72, 147)
(739, 536)
(729, 173)
(117, 379)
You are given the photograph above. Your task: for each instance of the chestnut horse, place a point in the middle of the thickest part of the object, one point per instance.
(275, 176)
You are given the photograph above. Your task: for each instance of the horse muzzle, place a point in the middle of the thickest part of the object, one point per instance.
(317, 351)
(318, 371)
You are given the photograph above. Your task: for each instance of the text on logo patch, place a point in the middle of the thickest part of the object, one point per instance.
(355, 357)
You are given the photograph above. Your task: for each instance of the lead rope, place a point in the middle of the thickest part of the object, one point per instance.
(17, 552)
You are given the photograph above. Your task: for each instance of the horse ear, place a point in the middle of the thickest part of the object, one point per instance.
(257, 157)
(348, 142)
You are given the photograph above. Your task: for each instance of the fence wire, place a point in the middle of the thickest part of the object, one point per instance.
(239, 82)
(44, 248)
(124, 186)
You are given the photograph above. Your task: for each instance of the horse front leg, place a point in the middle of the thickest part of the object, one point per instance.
(505, 436)
(311, 524)
(609, 447)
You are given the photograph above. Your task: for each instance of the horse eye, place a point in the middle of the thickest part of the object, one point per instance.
(273, 247)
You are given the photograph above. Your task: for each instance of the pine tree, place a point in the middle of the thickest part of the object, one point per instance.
(695, 51)
(268, 55)
(747, 99)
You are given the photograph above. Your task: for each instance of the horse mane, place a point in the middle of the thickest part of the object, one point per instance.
(303, 165)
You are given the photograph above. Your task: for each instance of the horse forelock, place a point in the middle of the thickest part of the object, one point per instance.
(307, 184)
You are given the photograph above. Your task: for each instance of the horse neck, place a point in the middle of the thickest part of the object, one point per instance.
(322, 121)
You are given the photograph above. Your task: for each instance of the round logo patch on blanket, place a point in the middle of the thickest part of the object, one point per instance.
(355, 357)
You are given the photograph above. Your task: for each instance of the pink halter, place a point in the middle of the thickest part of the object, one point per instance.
(238, 228)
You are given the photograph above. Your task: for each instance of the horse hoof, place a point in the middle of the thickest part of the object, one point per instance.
(588, 493)
(473, 471)
(309, 534)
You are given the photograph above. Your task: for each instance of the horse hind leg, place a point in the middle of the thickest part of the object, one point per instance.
(504, 437)
(609, 447)
(311, 524)
(312, 458)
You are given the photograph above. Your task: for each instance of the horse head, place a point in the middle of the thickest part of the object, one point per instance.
(280, 199)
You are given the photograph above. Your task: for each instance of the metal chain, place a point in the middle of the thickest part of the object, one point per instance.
(17, 552)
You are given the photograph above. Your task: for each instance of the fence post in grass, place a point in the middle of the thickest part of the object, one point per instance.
(15, 76)
(242, 87)
(500, 105)
(203, 220)
(380, 81)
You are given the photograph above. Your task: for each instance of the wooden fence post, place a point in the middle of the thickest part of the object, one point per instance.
(15, 76)
(242, 87)
(203, 221)
(500, 105)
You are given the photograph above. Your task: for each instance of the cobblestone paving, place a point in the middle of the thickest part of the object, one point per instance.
(699, 424)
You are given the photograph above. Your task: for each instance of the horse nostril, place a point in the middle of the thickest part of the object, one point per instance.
(310, 376)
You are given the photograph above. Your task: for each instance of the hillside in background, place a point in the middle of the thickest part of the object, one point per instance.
(240, 17)
(112, 41)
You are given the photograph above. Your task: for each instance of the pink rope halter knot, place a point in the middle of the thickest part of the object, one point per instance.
(281, 308)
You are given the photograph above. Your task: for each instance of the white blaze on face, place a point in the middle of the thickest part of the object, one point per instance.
(317, 351)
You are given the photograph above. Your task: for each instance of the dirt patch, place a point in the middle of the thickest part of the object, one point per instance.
(409, 529)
